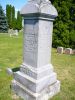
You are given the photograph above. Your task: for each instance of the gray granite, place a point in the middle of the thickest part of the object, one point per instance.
(33, 84)
(39, 6)
(36, 79)
(9, 71)
(36, 73)
(26, 94)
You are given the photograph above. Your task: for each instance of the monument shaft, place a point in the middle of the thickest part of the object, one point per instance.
(36, 79)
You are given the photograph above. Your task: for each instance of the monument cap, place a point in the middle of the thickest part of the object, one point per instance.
(43, 7)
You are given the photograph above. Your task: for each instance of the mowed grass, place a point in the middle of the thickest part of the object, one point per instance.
(11, 56)
(65, 67)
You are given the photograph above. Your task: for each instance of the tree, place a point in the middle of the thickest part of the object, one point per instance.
(12, 21)
(19, 21)
(13, 17)
(64, 25)
(3, 21)
(9, 15)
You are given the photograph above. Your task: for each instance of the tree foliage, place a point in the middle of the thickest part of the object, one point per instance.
(13, 17)
(14, 23)
(3, 21)
(64, 25)
(19, 21)
(9, 14)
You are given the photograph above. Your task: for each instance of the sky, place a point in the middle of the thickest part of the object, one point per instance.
(18, 4)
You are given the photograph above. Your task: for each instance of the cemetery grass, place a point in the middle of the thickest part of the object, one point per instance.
(11, 56)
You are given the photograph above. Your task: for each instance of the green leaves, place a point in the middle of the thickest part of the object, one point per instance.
(64, 25)
(14, 23)
(3, 21)
(19, 21)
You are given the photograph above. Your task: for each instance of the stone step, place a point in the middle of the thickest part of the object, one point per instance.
(33, 84)
(37, 73)
(27, 94)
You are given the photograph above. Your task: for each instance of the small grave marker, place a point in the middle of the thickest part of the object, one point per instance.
(60, 50)
(68, 51)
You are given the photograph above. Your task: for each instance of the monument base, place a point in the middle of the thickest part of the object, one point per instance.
(35, 84)
(26, 94)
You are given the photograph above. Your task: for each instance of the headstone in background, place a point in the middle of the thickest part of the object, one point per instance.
(21, 30)
(15, 32)
(73, 51)
(36, 79)
(68, 51)
(12, 32)
(60, 50)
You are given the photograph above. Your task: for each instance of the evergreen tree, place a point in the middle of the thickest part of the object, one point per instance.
(9, 15)
(13, 17)
(19, 21)
(15, 24)
(12, 21)
(64, 25)
(3, 21)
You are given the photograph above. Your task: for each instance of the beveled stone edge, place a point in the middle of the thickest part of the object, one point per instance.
(36, 81)
(37, 70)
(46, 91)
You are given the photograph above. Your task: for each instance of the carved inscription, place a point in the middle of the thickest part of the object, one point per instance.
(30, 42)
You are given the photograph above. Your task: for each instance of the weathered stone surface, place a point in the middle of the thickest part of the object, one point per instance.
(33, 84)
(73, 51)
(39, 6)
(37, 73)
(37, 42)
(60, 50)
(27, 94)
(68, 51)
(9, 71)
(36, 79)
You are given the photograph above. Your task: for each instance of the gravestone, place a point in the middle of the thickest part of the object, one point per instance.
(36, 79)
(73, 51)
(60, 50)
(16, 32)
(12, 32)
(68, 51)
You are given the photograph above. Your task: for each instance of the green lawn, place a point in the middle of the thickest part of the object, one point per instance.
(11, 56)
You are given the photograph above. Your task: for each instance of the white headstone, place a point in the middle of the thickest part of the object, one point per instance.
(68, 51)
(60, 50)
(36, 79)
(16, 32)
(73, 51)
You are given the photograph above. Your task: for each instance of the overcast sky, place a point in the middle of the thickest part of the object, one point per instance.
(18, 4)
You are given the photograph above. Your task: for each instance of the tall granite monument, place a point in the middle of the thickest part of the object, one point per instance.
(36, 79)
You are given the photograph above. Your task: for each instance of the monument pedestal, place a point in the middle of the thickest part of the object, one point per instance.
(36, 84)
(36, 79)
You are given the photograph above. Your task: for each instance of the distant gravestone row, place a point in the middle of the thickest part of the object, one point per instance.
(61, 50)
(12, 32)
